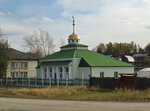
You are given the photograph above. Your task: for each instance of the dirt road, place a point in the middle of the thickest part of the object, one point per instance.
(13, 104)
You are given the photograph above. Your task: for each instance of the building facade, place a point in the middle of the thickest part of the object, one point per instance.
(21, 65)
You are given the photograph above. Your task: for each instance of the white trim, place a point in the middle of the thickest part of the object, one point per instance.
(47, 73)
(53, 72)
(63, 72)
(57, 73)
(74, 48)
(70, 74)
(63, 59)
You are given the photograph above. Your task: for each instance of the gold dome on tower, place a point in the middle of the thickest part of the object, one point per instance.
(73, 36)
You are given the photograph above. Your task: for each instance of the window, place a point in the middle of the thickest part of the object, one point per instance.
(25, 74)
(12, 74)
(72, 41)
(67, 72)
(19, 75)
(24, 65)
(16, 73)
(101, 74)
(45, 72)
(116, 75)
(50, 72)
(14, 65)
(69, 41)
(60, 70)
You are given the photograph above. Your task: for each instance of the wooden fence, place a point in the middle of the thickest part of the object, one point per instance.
(106, 83)
(142, 83)
(111, 83)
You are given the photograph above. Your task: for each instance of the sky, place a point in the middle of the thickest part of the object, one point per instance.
(96, 20)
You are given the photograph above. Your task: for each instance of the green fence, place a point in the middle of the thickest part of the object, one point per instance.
(38, 82)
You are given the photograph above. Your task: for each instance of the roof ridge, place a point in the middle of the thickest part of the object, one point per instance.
(74, 54)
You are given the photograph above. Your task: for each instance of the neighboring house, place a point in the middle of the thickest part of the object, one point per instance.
(21, 65)
(75, 61)
(128, 59)
(139, 61)
(144, 73)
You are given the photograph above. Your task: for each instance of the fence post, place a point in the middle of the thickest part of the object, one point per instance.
(50, 81)
(42, 82)
(58, 82)
(82, 79)
(67, 80)
(22, 81)
(35, 81)
(11, 81)
(17, 81)
(28, 81)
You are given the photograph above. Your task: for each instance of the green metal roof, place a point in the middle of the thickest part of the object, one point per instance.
(55, 63)
(74, 45)
(61, 54)
(89, 58)
(96, 59)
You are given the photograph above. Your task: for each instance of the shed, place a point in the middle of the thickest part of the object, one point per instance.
(144, 73)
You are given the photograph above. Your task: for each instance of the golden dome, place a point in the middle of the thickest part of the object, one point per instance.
(73, 36)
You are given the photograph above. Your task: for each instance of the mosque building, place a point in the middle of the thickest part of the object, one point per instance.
(75, 61)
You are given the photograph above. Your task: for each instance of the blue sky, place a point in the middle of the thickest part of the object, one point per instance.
(96, 20)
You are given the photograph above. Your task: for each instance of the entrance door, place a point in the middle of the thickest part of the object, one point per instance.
(127, 82)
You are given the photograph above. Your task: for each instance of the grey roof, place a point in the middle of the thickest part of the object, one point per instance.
(18, 55)
(130, 58)
(140, 55)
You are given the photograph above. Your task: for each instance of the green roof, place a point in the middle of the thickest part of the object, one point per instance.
(61, 54)
(55, 63)
(96, 59)
(89, 58)
(74, 45)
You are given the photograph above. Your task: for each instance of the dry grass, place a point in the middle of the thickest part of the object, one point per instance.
(78, 93)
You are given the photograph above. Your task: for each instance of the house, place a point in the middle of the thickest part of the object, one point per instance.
(128, 59)
(139, 61)
(75, 61)
(21, 65)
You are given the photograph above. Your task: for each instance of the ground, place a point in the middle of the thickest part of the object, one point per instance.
(14, 104)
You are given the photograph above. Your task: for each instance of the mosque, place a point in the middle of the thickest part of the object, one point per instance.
(75, 61)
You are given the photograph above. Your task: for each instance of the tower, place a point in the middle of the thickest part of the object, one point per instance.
(73, 38)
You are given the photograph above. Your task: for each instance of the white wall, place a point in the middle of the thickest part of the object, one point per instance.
(143, 74)
(86, 71)
(109, 71)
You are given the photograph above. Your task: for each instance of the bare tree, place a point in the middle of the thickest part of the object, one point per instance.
(62, 42)
(4, 57)
(40, 42)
